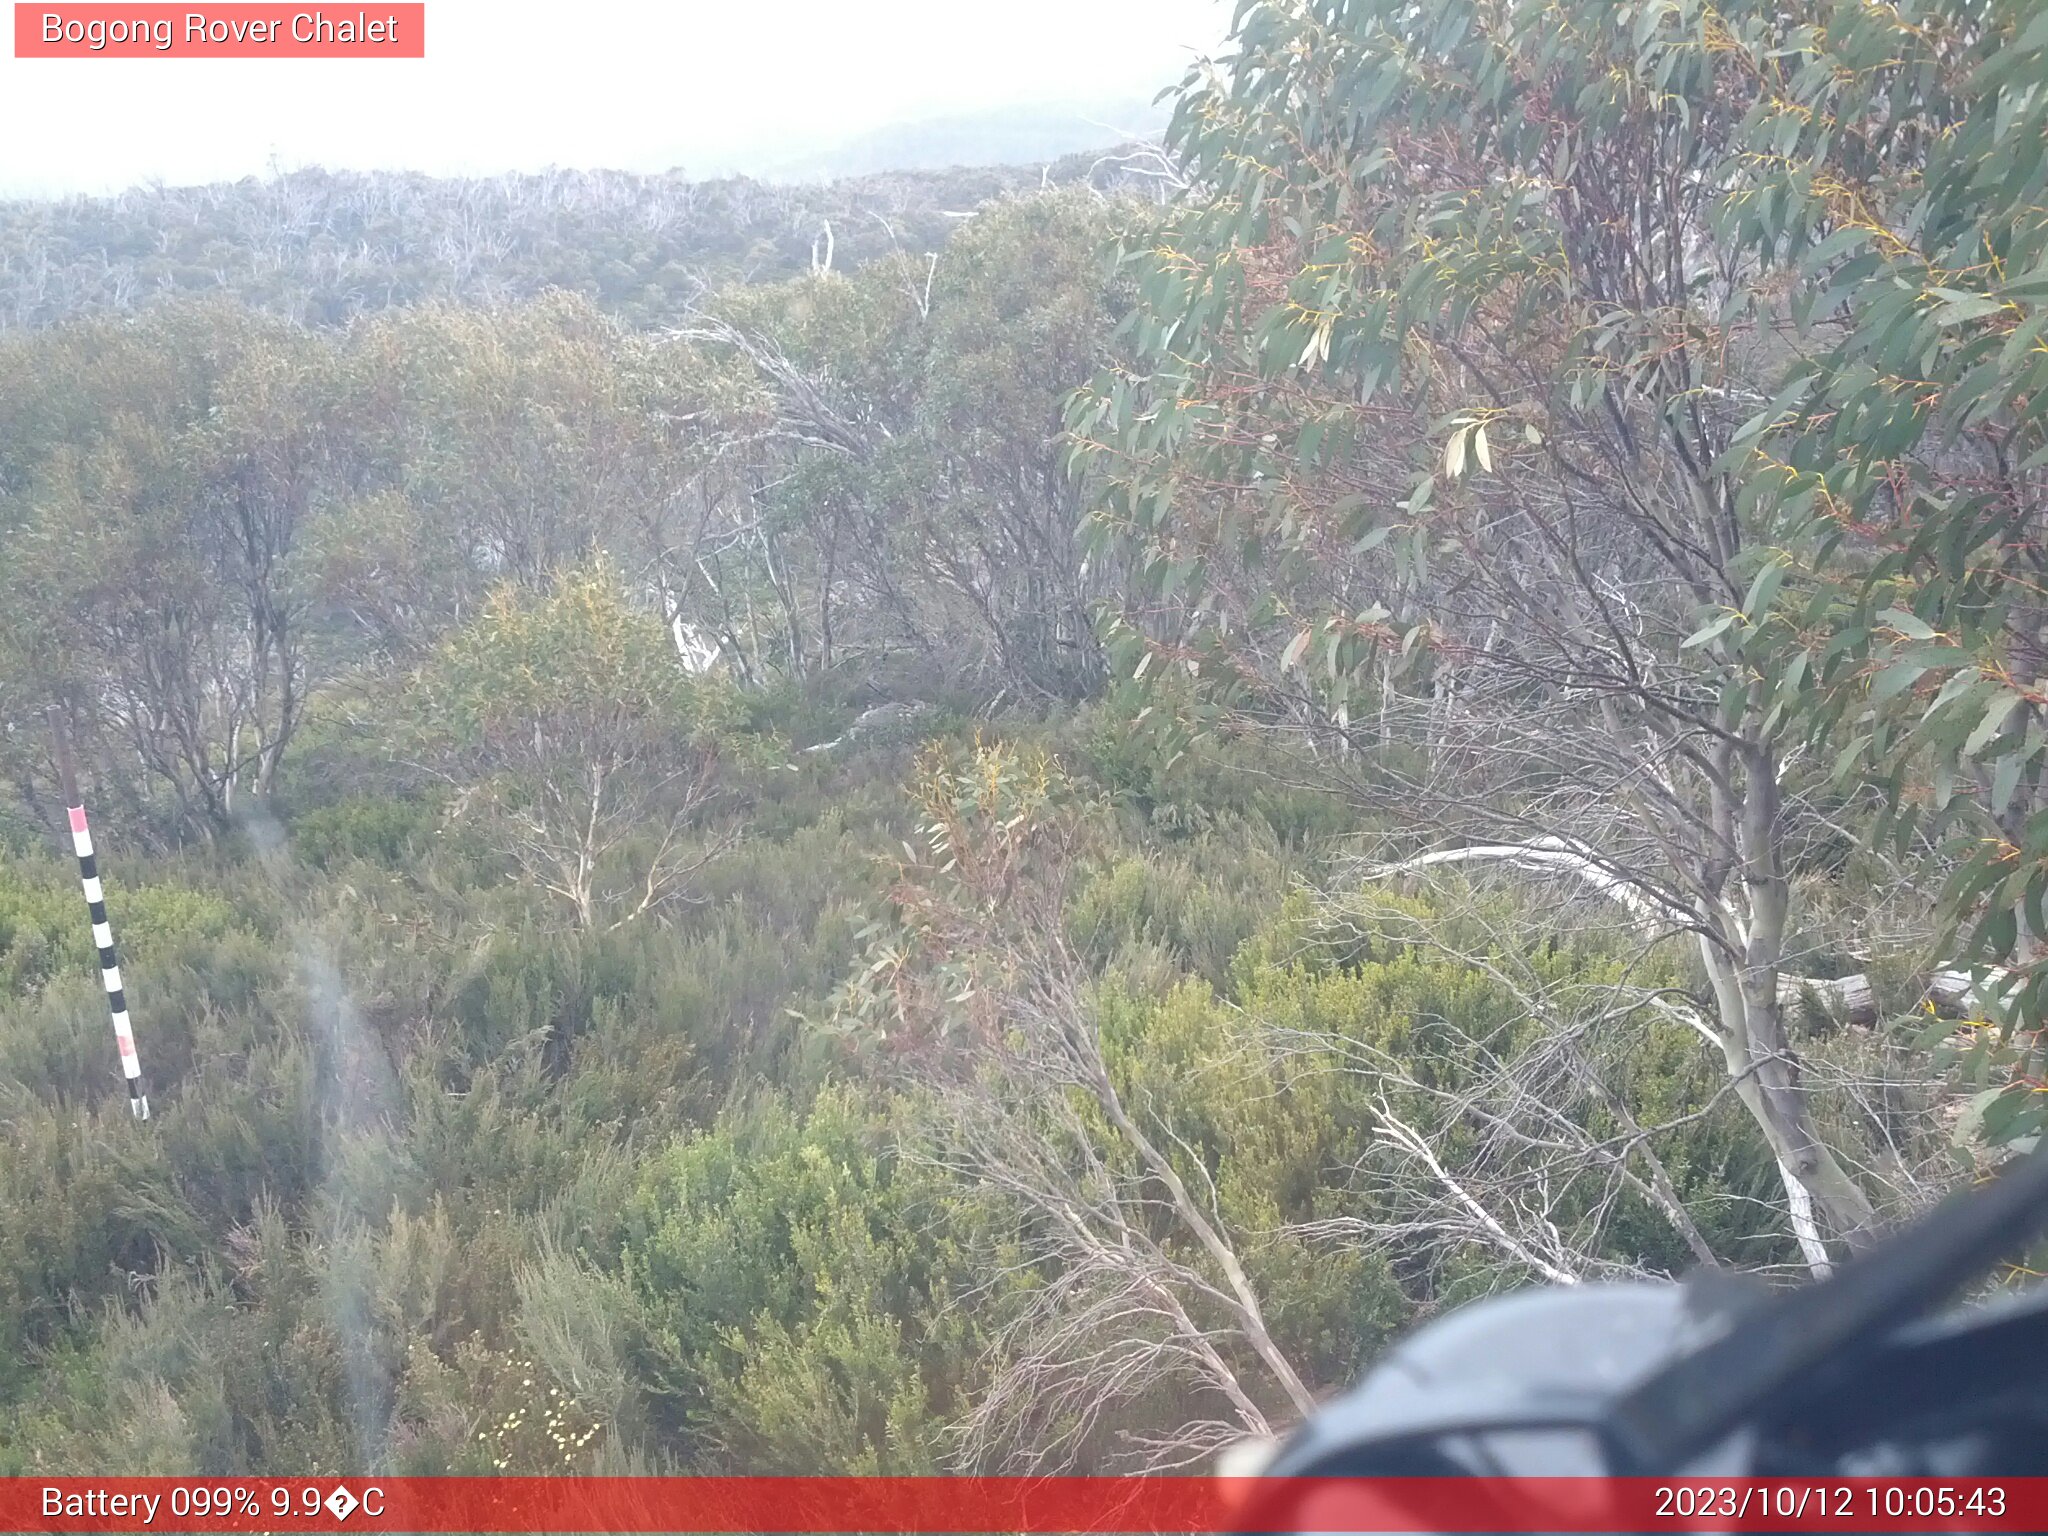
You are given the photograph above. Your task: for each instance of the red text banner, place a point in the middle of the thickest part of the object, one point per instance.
(1203, 1505)
(230, 31)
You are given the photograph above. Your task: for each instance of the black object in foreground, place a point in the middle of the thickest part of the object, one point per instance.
(1853, 1375)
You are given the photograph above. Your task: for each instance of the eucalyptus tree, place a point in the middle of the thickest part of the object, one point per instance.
(578, 744)
(1438, 453)
(883, 451)
(489, 445)
(160, 477)
(1904, 200)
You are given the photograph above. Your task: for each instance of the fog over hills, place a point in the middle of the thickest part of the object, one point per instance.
(1010, 135)
(814, 89)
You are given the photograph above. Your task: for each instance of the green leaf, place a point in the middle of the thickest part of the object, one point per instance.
(1995, 715)
(1454, 454)
(1964, 308)
(2005, 778)
(1971, 1120)
(1837, 244)
(1763, 589)
(1934, 1034)
(1895, 679)
(1716, 627)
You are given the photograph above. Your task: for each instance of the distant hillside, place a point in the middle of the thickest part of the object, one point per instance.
(320, 246)
(1007, 136)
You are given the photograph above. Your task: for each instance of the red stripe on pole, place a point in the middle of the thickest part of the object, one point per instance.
(1029, 1505)
(77, 818)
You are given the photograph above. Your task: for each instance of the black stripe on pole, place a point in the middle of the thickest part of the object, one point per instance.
(110, 968)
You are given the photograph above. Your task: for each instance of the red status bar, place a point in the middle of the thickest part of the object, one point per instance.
(1026, 1505)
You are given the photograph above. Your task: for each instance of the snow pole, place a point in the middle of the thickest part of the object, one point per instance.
(102, 932)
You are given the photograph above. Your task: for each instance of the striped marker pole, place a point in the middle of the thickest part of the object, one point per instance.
(110, 970)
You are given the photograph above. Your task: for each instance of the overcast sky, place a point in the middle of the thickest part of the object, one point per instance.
(628, 84)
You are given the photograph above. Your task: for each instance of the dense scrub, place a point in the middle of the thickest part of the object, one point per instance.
(437, 1184)
(725, 865)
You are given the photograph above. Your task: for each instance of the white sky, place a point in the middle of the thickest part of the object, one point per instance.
(627, 84)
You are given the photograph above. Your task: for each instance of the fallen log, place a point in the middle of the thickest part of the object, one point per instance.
(1960, 995)
(1843, 997)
